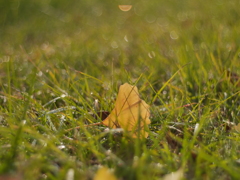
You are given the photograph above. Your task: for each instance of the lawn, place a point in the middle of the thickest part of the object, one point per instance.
(61, 66)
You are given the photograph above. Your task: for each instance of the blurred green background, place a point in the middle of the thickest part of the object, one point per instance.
(154, 38)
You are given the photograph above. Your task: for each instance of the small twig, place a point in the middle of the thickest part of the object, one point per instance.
(78, 127)
(172, 127)
(60, 109)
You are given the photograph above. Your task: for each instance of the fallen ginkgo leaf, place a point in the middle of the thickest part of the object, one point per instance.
(130, 112)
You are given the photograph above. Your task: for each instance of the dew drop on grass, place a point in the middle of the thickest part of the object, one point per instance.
(63, 95)
(162, 109)
(125, 7)
(39, 74)
(63, 118)
(164, 92)
(61, 146)
(24, 122)
(96, 104)
(106, 130)
(109, 152)
(39, 93)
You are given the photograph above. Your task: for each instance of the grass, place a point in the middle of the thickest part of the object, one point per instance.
(59, 58)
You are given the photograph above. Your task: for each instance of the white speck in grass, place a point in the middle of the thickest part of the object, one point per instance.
(63, 95)
(196, 129)
(62, 119)
(225, 95)
(108, 152)
(158, 165)
(96, 105)
(61, 146)
(39, 74)
(34, 142)
(39, 93)
(70, 174)
(173, 35)
(125, 38)
(24, 122)
(162, 109)
(106, 130)
(151, 54)
(164, 92)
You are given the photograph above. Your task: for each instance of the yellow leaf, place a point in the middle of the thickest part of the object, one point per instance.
(130, 112)
(103, 174)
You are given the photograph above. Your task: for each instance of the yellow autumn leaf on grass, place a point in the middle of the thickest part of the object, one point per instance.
(130, 112)
(104, 174)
